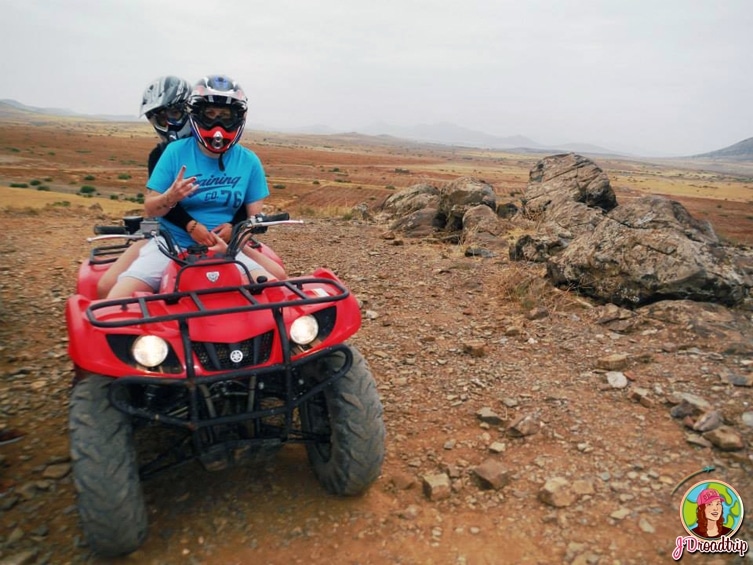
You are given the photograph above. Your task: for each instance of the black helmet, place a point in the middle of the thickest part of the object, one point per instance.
(164, 105)
(217, 112)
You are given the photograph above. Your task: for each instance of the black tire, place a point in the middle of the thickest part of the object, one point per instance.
(105, 471)
(349, 412)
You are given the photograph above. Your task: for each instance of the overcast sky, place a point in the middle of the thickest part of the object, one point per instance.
(672, 77)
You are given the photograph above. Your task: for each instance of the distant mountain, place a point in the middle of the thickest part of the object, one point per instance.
(12, 107)
(449, 134)
(740, 151)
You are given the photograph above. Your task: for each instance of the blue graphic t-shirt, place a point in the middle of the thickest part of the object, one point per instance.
(220, 193)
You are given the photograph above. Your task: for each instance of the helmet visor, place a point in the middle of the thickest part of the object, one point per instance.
(169, 116)
(229, 117)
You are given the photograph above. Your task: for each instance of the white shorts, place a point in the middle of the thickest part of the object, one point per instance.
(151, 263)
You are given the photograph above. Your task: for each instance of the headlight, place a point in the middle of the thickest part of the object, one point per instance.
(304, 330)
(149, 350)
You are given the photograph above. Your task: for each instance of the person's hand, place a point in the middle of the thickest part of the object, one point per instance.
(180, 188)
(200, 234)
(219, 246)
(224, 231)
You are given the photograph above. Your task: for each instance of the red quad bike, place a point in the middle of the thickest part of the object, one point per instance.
(215, 369)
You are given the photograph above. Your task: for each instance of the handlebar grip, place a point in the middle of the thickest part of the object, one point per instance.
(280, 217)
(110, 230)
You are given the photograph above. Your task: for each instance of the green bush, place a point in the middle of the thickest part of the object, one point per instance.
(278, 186)
(35, 182)
(19, 185)
(86, 189)
(315, 182)
(43, 187)
(113, 197)
(124, 176)
(89, 177)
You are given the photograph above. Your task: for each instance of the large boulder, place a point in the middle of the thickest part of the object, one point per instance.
(647, 250)
(558, 178)
(420, 223)
(411, 199)
(459, 196)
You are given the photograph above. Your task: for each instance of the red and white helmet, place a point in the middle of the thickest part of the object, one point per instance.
(217, 133)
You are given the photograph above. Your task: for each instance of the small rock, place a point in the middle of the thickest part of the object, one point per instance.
(403, 481)
(437, 486)
(620, 514)
(614, 362)
(497, 447)
(646, 526)
(57, 471)
(492, 474)
(557, 492)
(617, 379)
(474, 348)
(740, 380)
(524, 425)
(708, 421)
(747, 418)
(725, 438)
(694, 439)
(489, 416)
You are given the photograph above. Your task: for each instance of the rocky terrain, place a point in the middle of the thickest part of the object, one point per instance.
(525, 424)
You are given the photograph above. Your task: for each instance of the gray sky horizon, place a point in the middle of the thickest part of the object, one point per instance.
(646, 77)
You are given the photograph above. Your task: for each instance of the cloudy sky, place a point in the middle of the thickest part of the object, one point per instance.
(668, 77)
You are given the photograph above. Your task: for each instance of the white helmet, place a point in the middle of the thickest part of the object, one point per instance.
(164, 105)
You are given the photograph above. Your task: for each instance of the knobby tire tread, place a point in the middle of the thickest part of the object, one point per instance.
(105, 471)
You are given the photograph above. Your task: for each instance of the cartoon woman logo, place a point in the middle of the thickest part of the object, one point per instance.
(710, 510)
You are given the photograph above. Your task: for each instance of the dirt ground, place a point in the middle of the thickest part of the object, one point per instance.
(445, 335)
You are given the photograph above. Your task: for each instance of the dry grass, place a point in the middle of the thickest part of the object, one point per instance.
(28, 198)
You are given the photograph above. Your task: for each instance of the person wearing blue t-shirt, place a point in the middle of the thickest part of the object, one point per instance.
(211, 176)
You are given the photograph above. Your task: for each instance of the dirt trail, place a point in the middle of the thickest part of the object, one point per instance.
(445, 337)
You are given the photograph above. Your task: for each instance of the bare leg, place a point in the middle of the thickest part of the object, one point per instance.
(126, 286)
(108, 280)
(256, 273)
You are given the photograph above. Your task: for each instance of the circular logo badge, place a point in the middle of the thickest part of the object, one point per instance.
(711, 509)
(236, 355)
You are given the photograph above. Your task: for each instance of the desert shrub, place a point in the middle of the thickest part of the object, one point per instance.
(342, 180)
(62, 203)
(50, 152)
(390, 187)
(124, 176)
(334, 170)
(87, 189)
(14, 149)
(19, 185)
(35, 182)
(316, 182)
(47, 179)
(43, 187)
(401, 171)
(113, 197)
(278, 186)
(89, 177)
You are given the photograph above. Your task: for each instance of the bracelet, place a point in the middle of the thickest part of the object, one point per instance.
(193, 227)
(167, 201)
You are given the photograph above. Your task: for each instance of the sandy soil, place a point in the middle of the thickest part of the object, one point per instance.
(445, 336)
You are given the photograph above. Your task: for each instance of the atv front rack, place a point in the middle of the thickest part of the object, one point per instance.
(247, 292)
(292, 381)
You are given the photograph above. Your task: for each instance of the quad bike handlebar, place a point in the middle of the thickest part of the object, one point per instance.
(136, 228)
